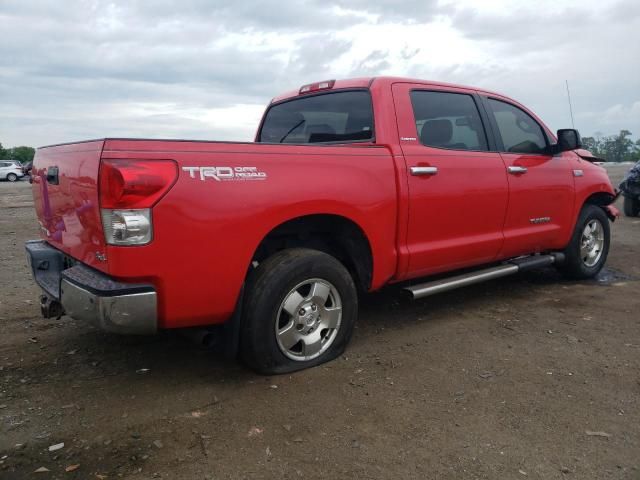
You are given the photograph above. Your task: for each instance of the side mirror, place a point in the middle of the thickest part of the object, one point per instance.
(568, 139)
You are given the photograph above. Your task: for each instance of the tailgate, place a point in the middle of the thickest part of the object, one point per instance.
(65, 194)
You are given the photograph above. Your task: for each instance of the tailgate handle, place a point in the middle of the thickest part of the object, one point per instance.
(52, 175)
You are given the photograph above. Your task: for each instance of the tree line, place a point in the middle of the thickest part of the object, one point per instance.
(614, 148)
(21, 154)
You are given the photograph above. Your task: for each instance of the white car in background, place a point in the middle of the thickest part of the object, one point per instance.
(10, 170)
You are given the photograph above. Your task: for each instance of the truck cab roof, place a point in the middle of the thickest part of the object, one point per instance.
(366, 82)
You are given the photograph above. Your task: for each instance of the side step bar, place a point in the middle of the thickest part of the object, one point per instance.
(509, 268)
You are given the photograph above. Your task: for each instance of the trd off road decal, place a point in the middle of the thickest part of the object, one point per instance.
(221, 174)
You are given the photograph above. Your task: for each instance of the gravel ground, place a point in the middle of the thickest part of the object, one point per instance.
(525, 377)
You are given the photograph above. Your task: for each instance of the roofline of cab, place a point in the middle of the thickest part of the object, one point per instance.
(362, 82)
(367, 82)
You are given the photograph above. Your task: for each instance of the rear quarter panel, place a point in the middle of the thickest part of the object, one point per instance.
(206, 231)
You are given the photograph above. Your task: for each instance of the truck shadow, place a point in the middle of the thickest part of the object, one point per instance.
(85, 354)
(392, 307)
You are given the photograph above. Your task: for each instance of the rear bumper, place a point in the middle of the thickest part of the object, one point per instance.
(86, 294)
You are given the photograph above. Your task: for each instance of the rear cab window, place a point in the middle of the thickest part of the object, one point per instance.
(448, 120)
(335, 117)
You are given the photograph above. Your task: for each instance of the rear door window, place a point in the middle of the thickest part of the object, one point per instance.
(448, 120)
(332, 117)
(519, 132)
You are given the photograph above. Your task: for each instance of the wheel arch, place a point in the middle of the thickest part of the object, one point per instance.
(601, 199)
(604, 201)
(333, 234)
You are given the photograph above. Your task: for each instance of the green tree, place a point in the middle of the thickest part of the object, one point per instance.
(614, 148)
(22, 154)
(618, 148)
(635, 155)
(3, 152)
(592, 144)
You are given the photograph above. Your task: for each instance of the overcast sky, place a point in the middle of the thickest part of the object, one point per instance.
(205, 69)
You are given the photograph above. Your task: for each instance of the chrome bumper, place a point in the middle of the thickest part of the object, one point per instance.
(133, 313)
(89, 295)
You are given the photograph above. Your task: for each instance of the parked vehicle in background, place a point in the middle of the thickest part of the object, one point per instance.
(27, 167)
(630, 189)
(351, 185)
(10, 170)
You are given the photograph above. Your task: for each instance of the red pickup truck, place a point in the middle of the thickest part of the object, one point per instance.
(350, 185)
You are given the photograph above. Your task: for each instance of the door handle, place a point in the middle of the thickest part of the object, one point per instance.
(516, 170)
(418, 171)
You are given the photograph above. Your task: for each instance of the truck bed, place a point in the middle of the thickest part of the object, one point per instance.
(227, 198)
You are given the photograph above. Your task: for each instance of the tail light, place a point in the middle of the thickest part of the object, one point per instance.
(135, 183)
(128, 191)
(127, 227)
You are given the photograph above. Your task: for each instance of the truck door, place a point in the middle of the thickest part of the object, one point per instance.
(541, 185)
(457, 182)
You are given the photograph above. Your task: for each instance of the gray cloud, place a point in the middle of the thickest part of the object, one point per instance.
(66, 63)
(264, 14)
(407, 11)
(535, 51)
(260, 14)
(141, 68)
(314, 53)
(373, 63)
(522, 25)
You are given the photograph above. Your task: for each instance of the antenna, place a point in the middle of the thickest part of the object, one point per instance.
(573, 125)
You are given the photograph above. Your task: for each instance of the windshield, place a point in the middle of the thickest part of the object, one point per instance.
(331, 117)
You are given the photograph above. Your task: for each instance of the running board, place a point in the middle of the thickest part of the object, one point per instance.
(509, 268)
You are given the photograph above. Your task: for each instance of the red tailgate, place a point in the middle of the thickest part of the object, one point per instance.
(65, 193)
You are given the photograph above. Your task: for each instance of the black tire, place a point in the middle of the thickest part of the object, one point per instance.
(12, 177)
(269, 285)
(631, 206)
(575, 266)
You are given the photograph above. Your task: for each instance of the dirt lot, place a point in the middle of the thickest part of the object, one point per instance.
(525, 377)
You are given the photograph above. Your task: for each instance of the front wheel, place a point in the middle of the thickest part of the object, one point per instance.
(587, 252)
(12, 177)
(299, 311)
(631, 206)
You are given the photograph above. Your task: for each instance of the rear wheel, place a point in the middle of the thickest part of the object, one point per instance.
(299, 311)
(587, 252)
(631, 206)
(12, 177)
